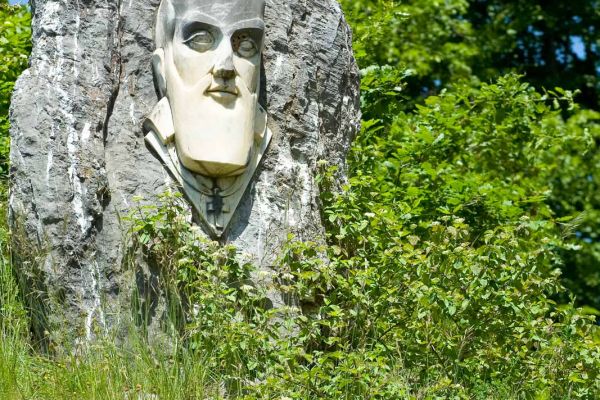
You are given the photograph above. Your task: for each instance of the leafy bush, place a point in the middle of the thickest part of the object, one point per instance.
(473, 41)
(438, 278)
(448, 207)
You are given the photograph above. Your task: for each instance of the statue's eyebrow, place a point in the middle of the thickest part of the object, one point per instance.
(193, 23)
(255, 23)
(199, 16)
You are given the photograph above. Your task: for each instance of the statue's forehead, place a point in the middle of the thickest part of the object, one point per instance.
(223, 11)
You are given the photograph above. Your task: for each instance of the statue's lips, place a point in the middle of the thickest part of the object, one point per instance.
(223, 92)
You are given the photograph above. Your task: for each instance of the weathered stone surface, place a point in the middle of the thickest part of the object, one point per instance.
(78, 154)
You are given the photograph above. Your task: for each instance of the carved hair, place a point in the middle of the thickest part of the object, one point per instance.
(164, 26)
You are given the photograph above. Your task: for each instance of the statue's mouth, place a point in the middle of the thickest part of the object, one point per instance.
(222, 90)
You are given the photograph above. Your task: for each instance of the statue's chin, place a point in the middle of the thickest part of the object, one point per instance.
(212, 169)
(216, 141)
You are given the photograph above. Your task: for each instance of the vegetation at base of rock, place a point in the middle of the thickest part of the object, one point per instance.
(443, 252)
(411, 304)
(434, 316)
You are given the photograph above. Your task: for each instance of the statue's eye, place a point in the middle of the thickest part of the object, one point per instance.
(244, 45)
(200, 41)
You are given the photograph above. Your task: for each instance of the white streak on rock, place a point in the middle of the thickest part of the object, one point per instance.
(76, 43)
(85, 133)
(50, 19)
(72, 148)
(92, 281)
(132, 113)
(49, 166)
(278, 68)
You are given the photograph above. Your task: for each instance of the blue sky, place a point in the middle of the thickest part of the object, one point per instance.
(17, 1)
(578, 47)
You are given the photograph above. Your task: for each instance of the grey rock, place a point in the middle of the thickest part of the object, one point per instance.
(78, 156)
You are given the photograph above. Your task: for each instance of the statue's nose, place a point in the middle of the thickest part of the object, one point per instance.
(224, 67)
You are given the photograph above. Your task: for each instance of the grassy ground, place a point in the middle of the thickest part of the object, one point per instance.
(103, 370)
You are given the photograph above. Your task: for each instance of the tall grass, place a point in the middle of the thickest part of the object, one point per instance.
(105, 369)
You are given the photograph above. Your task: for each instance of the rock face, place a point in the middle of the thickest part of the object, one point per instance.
(79, 158)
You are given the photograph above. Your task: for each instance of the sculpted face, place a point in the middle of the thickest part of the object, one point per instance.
(208, 66)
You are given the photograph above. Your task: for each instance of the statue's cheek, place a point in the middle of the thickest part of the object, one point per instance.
(249, 71)
(191, 65)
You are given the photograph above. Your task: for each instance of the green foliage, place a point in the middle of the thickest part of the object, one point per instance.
(430, 38)
(465, 42)
(447, 206)
(227, 321)
(575, 193)
(15, 33)
(553, 43)
(442, 42)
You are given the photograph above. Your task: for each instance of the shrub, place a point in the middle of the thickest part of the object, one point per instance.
(438, 278)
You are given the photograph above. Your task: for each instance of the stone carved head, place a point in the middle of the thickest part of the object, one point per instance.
(207, 127)
(207, 64)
